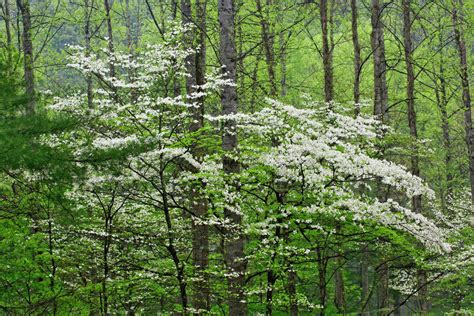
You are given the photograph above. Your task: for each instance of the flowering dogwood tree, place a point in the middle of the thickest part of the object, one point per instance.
(306, 169)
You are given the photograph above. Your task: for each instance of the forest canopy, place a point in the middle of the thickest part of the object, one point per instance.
(236, 157)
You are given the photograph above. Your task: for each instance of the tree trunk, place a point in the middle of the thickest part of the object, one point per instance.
(322, 285)
(87, 38)
(415, 169)
(327, 52)
(131, 49)
(195, 65)
(268, 44)
(283, 64)
(292, 280)
(24, 7)
(328, 47)
(382, 290)
(364, 280)
(201, 231)
(442, 101)
(339, 297)
(378, 49)
(267, 36)
(7, 19)
(234, 243)
(466, 94)
(110, 36)
(357, 61)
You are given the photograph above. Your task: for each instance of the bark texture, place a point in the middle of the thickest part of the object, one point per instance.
(268, 44)
(357, 61)
(415, 169)
(87, 38)
(378, 49)
(234, 242)
(364, 280)
(195, 64)
(7, 19)
(24, 7)
(466, 93)
(326, 51)
(109, 35)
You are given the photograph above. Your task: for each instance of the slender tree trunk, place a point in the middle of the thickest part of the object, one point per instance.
(131, 48)
(110, 36)
(201, 16)
(466, 94)
(415, 169)
(322, 285)
(87, 37)
(268, 44)
(364, 279)
(339, 297)
(201, 231)
(382, 290)
(17, 23)
(327, 25)
(327, 52)
(52, 261)
(105, 264)
(357, 61)
(292, 277)
(186, 13)
(380, 110)
(24, 7)
(442, 101)
(283, 64)
(195, 65)
(378, 48)
(255, 84)
(234, 243)
(292, 281)
(7, 19)
(171, 247)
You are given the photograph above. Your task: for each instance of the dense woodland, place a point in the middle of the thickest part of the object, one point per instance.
(236, 157)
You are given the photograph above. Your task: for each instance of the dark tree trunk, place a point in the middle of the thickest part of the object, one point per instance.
(442, 101)
(110, 36)
(327, 52)
(131, 48)
(283, 64)
(380, 110)
(322, 285)
(171, 247)
(234, 243)
(255, 85)
(339, 297)
(267, 36)
(87, 38)
(201, 16)
(268, 44)
(415, 169)
(364, 280)
(24, 6)
(292, 281)
(378, 48)
(186, 13)
(7, 19)
(357, 61)
(195, 65)
(466, 94)
(201, 231)
(382, 289)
